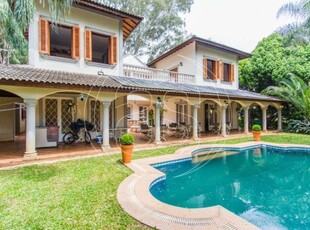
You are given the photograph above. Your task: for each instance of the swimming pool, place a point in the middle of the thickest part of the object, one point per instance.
(268, 186)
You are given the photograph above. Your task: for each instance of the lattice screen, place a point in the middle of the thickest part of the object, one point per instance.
(95, 115)
(66, 114)
(51, 116)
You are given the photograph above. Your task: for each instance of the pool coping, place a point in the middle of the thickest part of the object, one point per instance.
(135, 198)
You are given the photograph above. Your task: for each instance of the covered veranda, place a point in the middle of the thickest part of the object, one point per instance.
(31, 85)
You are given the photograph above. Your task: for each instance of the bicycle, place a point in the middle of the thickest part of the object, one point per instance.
(76, 132)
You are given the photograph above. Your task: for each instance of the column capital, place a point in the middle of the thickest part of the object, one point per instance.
(196, 106)
(158, 104)
(224, 107)
(246, 107)
(30, 101)
(106, 103)
(280, 108)
(264, 108)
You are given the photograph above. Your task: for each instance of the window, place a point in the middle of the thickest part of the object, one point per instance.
(143, 113)
(60, 43)
(182, 113)
(100, 48)
(228, 72)
(59, 40)
(129, 112)
(210, 68)
(95, 115)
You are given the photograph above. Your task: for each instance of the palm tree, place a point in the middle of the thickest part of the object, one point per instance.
(15, 16)
(297, 32)
(295, 91)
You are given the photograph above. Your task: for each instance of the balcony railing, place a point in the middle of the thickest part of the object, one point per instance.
(157, 74)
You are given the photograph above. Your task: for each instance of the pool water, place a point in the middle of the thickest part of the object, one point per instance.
(269, 187)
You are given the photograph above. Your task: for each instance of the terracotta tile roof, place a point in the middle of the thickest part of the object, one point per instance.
(35, 75)
(189, 89)
(69, 79)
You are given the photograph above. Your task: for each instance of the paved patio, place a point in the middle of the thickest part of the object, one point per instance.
(11, 152)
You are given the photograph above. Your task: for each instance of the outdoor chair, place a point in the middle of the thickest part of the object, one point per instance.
(147, 131)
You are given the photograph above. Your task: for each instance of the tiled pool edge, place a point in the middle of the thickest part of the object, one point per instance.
(135, 198)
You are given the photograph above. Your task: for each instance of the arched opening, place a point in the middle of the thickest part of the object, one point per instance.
(209, 116)
(272, 118)
(255, 115)
(237, 115)
(12, 116)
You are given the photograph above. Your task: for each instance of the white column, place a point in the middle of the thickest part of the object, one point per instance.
(106, 125)
(157, 122)
(195, 122)
(264, 109)
(246, 119)
(280, 118)
(31, 152)
(223, 113)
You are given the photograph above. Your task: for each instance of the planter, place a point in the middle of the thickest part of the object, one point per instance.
(127, 153)
(256, 135)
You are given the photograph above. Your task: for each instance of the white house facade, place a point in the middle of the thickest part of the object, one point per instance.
(76, 70)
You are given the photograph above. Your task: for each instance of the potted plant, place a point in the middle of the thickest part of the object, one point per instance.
(126, 142)
(256, 131)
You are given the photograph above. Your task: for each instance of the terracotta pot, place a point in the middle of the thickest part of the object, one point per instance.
(256, 135)
(127, 153)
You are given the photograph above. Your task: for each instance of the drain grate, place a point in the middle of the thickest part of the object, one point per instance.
(229, 226)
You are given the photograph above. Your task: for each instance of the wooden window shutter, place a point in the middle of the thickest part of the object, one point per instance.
(44, 36)
(88, 45)
(232, 73)
(205, 68)
(75, 44)
(217, 71)
(113, 50)
(221, 70)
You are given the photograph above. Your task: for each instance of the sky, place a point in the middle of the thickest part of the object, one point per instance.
(239, 23)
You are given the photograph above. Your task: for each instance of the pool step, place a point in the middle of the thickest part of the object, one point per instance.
(209, 155)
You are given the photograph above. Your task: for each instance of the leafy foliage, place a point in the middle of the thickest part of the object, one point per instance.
(161, 29)
(297, 32)
(15, 16)
(295, 91)
(127, 139)
(256, 128)
(270, 63)
(298, 126)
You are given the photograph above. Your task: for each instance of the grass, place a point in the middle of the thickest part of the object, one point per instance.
(80, 194)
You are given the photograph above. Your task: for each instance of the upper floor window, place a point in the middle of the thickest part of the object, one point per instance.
(218, 70)
(210, 69)
(100, 48)
(59, 40)
(228, 72)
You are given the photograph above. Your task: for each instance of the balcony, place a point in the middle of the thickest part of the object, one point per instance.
(157, 74)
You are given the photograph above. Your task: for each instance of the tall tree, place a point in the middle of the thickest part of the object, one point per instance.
(162, 28)
(15, 16)
(271, 61)
(297, 32)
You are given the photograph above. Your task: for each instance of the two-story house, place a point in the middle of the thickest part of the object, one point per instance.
(66, 76)
(209, 70)
(76, 70)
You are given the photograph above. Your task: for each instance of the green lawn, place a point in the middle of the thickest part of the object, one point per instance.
(79, 194)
